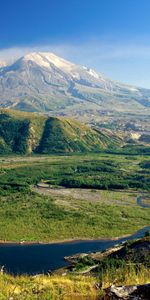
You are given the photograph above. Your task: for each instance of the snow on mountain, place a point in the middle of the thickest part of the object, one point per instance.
(42, 81)
(45, 59)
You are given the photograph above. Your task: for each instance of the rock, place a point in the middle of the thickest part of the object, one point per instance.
(74, 258)
(134, 292)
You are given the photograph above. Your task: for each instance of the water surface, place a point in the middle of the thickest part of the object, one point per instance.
(34, 259)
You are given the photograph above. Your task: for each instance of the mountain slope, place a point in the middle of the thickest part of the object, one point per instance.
(20, 132)
(26, 133)
(45, 82)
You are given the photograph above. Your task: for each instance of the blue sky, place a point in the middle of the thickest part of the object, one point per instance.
(111, 36)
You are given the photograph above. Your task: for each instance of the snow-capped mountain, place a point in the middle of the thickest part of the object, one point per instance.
(42, 82)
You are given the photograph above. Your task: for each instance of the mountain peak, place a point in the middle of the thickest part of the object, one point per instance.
(43, 81)
(45, 59)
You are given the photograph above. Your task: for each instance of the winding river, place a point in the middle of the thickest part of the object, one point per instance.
(38, 258)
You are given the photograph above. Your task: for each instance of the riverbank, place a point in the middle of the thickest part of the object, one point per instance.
(65, 241)
(135, 251)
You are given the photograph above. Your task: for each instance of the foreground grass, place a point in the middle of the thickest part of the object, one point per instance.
(69, 286)
(129, 275)
(47, 287)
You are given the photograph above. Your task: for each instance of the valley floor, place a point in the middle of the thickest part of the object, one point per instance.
(89, 196)
(81, 208)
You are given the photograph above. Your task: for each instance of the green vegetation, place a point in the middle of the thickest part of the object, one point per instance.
(89, 196)
(64, 135)
(133, 149)
(32, 217)
(28, 214)
(19, 132)
(27, 133)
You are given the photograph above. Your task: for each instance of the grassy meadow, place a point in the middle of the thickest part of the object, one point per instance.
(98, 198)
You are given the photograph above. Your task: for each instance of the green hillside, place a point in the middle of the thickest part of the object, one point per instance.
(20, 132)
(27, 132)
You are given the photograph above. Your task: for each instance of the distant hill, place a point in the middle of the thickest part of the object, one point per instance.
(27, 132)
(43, 82)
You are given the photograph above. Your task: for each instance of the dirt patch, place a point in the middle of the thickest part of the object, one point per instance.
(65, 194)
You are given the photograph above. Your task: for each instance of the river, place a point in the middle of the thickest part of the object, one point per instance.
(38, 258)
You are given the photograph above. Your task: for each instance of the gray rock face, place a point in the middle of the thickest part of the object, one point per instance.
(45, 82)
(136, 292)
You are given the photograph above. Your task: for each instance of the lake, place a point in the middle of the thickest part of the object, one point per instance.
(41, 258)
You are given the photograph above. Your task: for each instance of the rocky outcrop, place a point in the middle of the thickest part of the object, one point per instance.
(134, 292)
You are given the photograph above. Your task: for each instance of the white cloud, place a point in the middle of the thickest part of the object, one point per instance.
(124, 61)
(90, 51)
